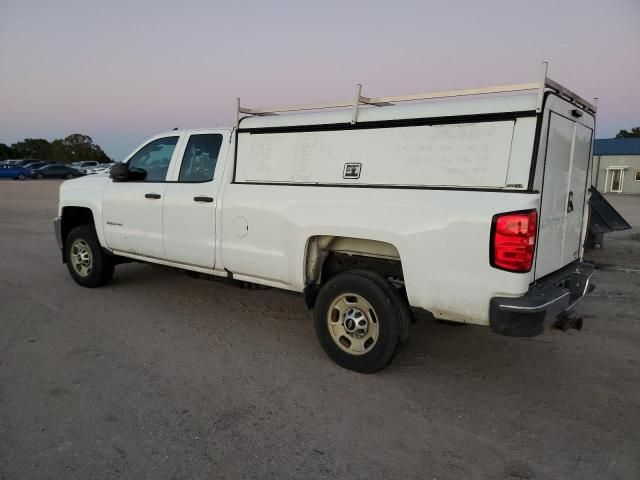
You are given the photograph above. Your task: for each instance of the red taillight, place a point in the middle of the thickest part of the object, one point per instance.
(513, 240)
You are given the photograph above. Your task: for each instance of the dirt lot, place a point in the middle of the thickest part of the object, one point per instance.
(160, 375)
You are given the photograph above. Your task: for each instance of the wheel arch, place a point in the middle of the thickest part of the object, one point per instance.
(74, 216)
(329, 255)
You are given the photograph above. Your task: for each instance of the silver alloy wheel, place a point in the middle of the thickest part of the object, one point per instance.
(353, 324)
(81, 257)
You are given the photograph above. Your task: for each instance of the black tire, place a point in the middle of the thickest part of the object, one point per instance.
(69, 176)
(22, 177)
(102, 264)
(39, 176)
(390, 309)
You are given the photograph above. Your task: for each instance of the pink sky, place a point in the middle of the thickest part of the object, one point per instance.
(121, 71)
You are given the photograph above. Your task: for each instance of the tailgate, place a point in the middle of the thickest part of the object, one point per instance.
(604, 218)
(564, 186)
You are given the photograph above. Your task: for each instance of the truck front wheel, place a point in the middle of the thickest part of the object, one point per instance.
(361, 320)
(88, 264)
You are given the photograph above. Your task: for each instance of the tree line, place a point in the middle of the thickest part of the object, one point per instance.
(77, 147)
(634, 133)
(74, 148)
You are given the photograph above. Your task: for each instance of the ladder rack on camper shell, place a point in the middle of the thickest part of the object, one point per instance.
(541, 86)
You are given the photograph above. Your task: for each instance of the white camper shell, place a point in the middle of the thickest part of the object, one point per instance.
(469, 204)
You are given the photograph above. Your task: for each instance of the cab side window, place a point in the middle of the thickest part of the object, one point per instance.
(200, 158)
(151, 162)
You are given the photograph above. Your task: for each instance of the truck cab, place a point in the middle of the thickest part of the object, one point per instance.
(165, 206)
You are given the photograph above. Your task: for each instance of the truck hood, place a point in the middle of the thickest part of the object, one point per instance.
(97, 182)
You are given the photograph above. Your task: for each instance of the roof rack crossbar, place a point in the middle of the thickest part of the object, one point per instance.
(544, 83)
(457, 93)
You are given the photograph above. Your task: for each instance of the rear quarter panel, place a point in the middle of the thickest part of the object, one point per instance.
(442, 237)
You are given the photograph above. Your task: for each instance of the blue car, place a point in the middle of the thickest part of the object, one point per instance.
(15, 171)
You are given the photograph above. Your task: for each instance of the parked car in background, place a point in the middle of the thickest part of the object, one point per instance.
(31, 163)
(27, 161)
(102, 168)
(86, 166)
(15, 171)
(36, 164)
(56, 171)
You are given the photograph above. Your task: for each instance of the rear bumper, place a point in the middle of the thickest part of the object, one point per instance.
(545, 301)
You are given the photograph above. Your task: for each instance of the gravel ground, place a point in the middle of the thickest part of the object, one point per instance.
(160, 375)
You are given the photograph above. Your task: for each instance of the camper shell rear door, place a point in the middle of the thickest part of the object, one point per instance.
(562, 176)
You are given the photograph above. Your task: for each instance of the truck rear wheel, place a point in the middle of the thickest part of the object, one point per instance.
(361, 320)
(87, 263)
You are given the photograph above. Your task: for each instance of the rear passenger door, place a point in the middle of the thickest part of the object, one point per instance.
(189, 211)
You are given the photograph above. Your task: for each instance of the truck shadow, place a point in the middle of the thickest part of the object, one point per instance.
(434, 347)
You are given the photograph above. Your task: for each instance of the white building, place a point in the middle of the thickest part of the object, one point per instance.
(616, 165)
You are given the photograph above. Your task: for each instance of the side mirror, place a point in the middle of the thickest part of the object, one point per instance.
(119, 172)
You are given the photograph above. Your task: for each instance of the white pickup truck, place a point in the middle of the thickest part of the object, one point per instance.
(472, 207)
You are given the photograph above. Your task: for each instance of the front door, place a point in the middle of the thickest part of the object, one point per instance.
(616, 181)
(132, 209)
(189, 215)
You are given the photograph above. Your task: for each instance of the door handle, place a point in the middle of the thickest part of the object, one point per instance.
(153, 196)
(202, 199)
(570, 203)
